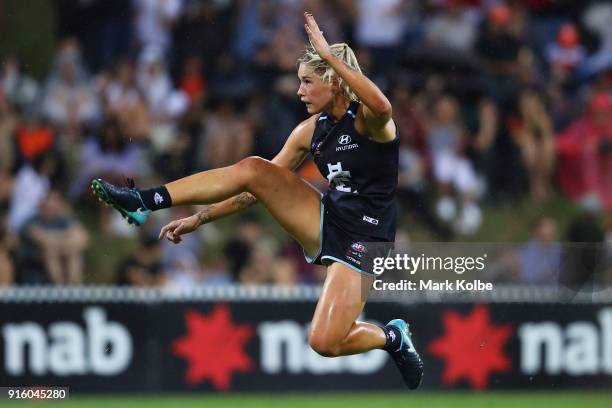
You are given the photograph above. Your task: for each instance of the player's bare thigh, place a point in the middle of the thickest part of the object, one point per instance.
(294, 203)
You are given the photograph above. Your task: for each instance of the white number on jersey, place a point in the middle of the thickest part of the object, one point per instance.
(337, 177)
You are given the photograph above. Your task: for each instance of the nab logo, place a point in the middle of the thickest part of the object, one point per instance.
(344, 139)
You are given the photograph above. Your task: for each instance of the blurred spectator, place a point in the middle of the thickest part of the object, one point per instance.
(452, 170)
(70, 100)
(531, 129)
(540, 257)
(32, 184)
(229, 136)
(177, 162)
(144, 267)
(154, 20)
(7, 271)
(596, 17)
(18, 88)
(499, 42)
(412, 188)
(253, 257)
(184, 272)
(124, 101)
(192, 81)
(566, 53)
(451, 29)
(52, 245)
(103, 27)
(180, 262)
(483, 142)
(107, 156)
(34, 137)
(165, 104)
(8, 123)
(585, 152)
(587, 251)
(380, 26)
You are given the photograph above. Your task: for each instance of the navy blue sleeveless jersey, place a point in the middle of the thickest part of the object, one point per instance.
(362, 176)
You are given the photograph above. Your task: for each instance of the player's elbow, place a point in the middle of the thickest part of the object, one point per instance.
(382, 109)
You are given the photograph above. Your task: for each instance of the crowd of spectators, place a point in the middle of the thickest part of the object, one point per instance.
(496, 101)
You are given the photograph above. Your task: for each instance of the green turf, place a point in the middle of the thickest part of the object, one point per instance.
(560, 399)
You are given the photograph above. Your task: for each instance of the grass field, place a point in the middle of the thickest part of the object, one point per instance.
(560, 399)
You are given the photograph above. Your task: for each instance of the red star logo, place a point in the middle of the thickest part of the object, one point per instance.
(471, 347)
(214, 347)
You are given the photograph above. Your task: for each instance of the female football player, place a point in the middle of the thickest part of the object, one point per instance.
(354, 143)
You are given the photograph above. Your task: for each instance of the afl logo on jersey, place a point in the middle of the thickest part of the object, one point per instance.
(344, 139)
(359, 247)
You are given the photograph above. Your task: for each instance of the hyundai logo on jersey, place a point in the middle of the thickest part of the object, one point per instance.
(344, 139)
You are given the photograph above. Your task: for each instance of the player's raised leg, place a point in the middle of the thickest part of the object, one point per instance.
(291, 201)
(335, 331)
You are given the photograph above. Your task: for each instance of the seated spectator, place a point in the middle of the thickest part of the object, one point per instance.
(192, 80)
(253, 257)
(498, 43)
(20, 90)
(451, 29)
(31, 185)
(180, 262)
(566, 53)
(108, 155)
(153, 22)
(381, 26)
(585, 153)
(586, 257)
(412, 186)
(52, 245)
(7, 271)
(229, 137)
(532, 131)
(165, 104)
(452, 170)
(144, 267)
(70, 100)
(33, 137)
(124, 101)
(540, 257)
(8, 124)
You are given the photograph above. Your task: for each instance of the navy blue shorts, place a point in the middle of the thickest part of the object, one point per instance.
(348, 248)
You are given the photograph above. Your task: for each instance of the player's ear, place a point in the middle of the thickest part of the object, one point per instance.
(335, 83)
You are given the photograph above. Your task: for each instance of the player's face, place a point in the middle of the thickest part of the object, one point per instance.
(313, 91)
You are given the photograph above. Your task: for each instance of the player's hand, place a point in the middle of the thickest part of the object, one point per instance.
(173, 230)
(315, 35)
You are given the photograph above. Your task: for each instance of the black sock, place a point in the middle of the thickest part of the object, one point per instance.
(156, 198)
(394, 338)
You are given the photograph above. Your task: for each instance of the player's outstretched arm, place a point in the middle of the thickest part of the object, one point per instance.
(376, 105)
(293, 153)
(174, 229)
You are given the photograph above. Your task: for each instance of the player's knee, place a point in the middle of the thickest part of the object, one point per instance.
(324, 344)
(251, 168)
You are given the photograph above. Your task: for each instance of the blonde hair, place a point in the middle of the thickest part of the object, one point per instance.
(341, 51)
